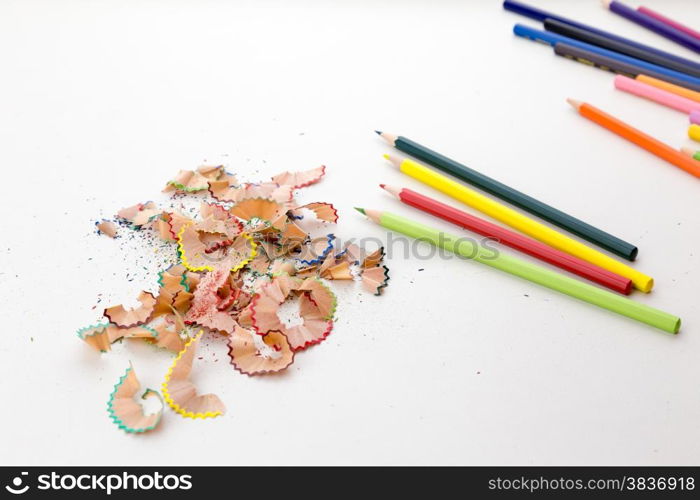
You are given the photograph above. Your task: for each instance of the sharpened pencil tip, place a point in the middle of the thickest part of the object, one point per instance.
(574, 103)
(361, 210)
(688, 151)
(386, 156)
(606, 3)
(382, 186)
(378, 132)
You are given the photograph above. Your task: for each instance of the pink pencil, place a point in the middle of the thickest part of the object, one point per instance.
(656, 94)
(670, 22)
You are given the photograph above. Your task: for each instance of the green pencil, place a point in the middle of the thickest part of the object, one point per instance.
(532, 272)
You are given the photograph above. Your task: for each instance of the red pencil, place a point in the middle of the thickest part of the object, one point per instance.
(513, 240)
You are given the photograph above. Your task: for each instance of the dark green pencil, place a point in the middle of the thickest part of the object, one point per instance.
(513, 196)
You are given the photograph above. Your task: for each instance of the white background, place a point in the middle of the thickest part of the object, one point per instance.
(102, 102)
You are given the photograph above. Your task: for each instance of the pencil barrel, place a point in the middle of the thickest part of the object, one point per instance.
(523, 223)
(643, 140)
(540, 15)
(582, 35)
(655, 25)
(518, 242)
(534, 273)
(521, 200)
(670, 87)
(616, 65)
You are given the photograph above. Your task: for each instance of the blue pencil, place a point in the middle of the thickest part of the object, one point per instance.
(552, 39)
(541, 15)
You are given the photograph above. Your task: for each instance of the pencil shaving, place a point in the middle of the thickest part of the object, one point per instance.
(322, 211)
(238, 263)
(300, 179)
(106, 227)
(252, 354)
(181, 394)
(126, 317)
(191, 181)
(125, 412)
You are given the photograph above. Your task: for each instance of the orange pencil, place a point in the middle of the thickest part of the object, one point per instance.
(669, 87)
(638, 137)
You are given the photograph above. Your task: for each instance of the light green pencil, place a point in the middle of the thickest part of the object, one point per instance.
(532, 272)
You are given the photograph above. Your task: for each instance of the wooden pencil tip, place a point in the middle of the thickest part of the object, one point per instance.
(393, 160)
(361, 210)
(576, 104)
(688, 151)
(390, 138)
(606, 3)
(378, 132)
(391, 190)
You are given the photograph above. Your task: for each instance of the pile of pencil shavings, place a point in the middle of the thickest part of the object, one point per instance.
(244, 256)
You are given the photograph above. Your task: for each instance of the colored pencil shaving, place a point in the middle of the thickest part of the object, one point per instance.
(522, 223)
(237, 263)
(531, 272)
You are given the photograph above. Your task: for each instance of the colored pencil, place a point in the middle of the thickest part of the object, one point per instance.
(564, 29)
(611, 64)
(660, 17)
(650, 23)
(638, 137)
(691, 152)
(676, 89)
(660, 96)
(694, 117)
(520, 222)
(541, 15)
(514, 240)
(526, 270)
(552, 39)
(513, 196)
(694, 132)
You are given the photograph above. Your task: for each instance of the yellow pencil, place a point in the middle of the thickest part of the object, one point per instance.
(518, 221)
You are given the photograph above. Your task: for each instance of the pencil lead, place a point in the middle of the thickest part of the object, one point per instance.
(382, 186)
(361, 210)
(378, 132)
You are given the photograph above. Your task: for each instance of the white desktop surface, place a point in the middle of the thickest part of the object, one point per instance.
(102, 102)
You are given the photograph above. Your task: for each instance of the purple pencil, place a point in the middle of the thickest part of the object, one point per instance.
(660, 17)
(695, 117)
(654, 25)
